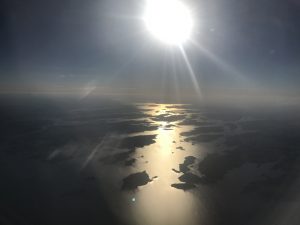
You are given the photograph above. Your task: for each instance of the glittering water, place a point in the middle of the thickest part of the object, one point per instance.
(158, 202)
(147, 164)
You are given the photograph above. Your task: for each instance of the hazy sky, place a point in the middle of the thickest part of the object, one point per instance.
(69, 44)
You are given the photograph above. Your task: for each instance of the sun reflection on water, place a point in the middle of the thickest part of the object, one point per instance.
(158, 202)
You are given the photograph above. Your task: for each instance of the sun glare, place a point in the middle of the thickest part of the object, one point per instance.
(168, 20)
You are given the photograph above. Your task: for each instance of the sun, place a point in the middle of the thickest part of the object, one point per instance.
(168, 20)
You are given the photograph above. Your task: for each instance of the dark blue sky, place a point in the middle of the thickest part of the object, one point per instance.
(250, 43)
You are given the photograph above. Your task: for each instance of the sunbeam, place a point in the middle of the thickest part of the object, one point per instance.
(175, 77)
(191, 72)
(220, 63)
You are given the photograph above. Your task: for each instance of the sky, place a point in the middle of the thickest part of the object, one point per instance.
(238, 48)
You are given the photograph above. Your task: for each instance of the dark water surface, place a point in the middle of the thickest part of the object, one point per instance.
(91, 161)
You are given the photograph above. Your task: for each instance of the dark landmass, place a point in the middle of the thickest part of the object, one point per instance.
(189, 160)
(134, 180)
(203, 130)
(222, 114)
(130, 162)
(168, 117)
(130, 127)
(183, 186)
(170, 125)
(272, 143)
(215, 166)
(179, 106)
(189, 178)
(193, 122)
(203, 138)
(176, 171)
(137, 141)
